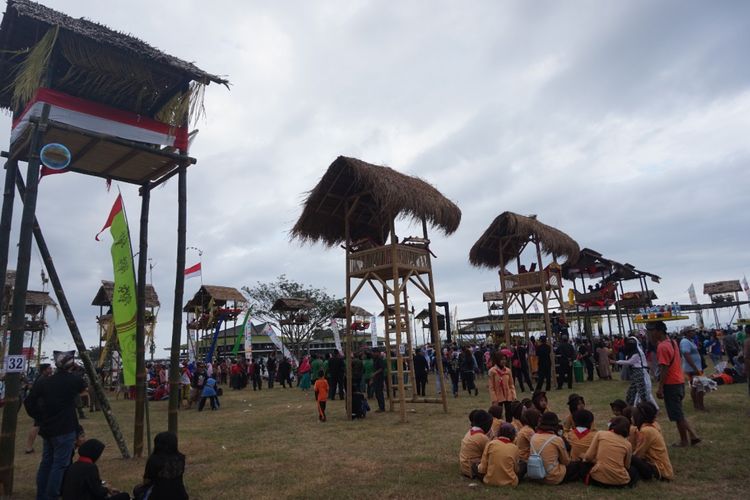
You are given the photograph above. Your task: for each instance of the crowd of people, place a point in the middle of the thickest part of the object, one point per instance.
(515, 439)
(51, 403)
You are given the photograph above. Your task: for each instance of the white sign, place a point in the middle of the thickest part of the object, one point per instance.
(15, 363)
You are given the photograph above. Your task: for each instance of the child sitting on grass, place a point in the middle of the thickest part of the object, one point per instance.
(321, 394)
(516, 409)
(209, 392)
(497, 420)
(581, 435)
(539, 401)
(611, 453)
(530, 419)
(473, 443)
(575, 403)
(82, 477)
(650, 457)
(617, 406)
(551, 449)
(500, 464)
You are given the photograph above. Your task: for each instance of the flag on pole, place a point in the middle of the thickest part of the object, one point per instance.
(693, 297)
(193, 271)
(124, 306)
(746, 287)
(336, 335)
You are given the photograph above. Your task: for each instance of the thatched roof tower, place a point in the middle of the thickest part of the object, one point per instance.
(384, 194)
(513, 231)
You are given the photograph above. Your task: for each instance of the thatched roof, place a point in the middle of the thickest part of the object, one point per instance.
(97, 63)
(292, 304)
(225, 293)
(730, 286)
(355, 310)
(514, 231)
(34, 298)
(384, 194)
(106, 292)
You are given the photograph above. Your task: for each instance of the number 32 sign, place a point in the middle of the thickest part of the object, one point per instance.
(15, 363)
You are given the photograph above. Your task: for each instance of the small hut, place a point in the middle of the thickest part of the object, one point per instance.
(107, 332)
(356, 204)
(723, 294)
(503, 242)
(211, 307)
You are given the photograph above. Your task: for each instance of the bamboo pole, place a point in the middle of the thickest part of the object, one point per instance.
(546, 308)
(140, 337)
(62, 301)
(18, 313)
(387, 328)
(6, 220)
(397, 312)
(409, 346)
(506, 313)
(179, 289)
(347, 326)
(436, 332)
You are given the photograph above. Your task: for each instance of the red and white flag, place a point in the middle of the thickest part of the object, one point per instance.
(193, 271)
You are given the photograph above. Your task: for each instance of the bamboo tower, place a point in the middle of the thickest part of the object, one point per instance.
(502, 243)
(356, 204)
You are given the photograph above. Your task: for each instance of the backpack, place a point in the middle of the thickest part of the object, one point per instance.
(535, 468)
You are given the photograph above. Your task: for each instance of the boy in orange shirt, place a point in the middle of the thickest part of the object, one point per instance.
(321, 395)
(499, 463)
(650, 457)
(579, 437)
(611, 454)
(473, 443)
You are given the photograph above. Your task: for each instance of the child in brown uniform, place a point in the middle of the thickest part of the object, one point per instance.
(575, 403)
(530, 419)
(611, 453)
(650, 457)
(580, 436)
(500, 459)
(551, 448)
(497, 420)
(473, 443)
(516, 409)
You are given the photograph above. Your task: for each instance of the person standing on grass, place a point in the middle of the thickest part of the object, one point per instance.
(336, 372)
(544, 372)
(468, 367)
(285, 373)
(420, 372)
(378, 377)
(567, 355)
(500, 384)
(271, 369)
(321, 395)
(367, 369)
(671, 381)
(51, 402)
(731, 346)
(691, 365)
(45, 370)
(303, 372)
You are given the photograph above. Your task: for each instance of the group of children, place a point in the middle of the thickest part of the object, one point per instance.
(532, 443)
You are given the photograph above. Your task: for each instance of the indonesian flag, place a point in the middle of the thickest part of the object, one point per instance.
(193, 271)
(116, 209)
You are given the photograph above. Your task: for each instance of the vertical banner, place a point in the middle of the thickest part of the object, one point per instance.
(124, 306)
(694, 301)
(277, 342)
(190, 347)
(247, 334)
(373, 332)
(336, 335)
(746, 287)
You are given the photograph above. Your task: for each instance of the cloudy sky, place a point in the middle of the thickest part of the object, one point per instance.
(624, 124)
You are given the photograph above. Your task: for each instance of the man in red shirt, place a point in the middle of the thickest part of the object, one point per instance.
(671, 381)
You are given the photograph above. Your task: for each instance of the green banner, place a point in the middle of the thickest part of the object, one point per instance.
(124, 304)
(242, 333)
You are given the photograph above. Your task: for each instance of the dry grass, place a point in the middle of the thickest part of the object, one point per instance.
(270, 444)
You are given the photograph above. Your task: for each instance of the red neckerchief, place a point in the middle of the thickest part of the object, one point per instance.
(85, 460)
(581, 435)
(476, 430)
(503, 439)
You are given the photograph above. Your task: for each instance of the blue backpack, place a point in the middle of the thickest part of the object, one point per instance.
(535, 468)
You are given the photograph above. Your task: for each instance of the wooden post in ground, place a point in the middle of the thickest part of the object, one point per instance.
(179, 288)
(347, 325)
(67, 312)
(506, 313)
(18, 314)
(140, 329)
(397, 313)
(547, 324)
(433, 319)
(6, 220)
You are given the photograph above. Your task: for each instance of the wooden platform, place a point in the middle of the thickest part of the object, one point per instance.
(379, 261)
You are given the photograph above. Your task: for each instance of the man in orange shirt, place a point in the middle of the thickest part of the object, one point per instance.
(321, 394)
(671, 381)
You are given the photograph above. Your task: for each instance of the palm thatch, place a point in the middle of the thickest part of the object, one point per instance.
(355, 311)
(292, 304)
(93, 62)
(383, 194)
(513, 231)
(107, 290)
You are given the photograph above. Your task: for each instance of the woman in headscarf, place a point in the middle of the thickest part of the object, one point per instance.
(640, 381)
(304, 373)
(162, 478)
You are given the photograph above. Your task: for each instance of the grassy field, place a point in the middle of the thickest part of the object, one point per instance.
(270, 444)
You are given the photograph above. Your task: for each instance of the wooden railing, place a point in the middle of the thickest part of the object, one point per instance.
(532, 280)
(382, 257)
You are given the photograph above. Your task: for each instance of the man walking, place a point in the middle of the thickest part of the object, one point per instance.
(567, 354)
(671, 381)
(378, 377)
(544, 371)
(52, 404)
